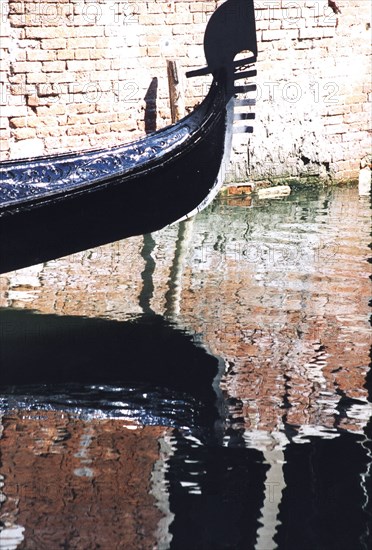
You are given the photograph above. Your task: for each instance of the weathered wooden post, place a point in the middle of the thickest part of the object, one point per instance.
(176, 91)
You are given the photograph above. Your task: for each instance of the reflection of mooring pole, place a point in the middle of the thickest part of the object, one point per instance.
(173, 295)
(274, 486)
(177, 106)
(147, 290)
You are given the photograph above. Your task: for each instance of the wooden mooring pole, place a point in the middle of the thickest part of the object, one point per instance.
(176, 91)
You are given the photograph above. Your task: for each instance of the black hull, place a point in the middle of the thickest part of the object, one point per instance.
(154, 193)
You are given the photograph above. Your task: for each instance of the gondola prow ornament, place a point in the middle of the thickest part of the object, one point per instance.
(230, 30)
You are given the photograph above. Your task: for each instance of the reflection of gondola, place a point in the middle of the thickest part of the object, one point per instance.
(98, 365)
(55, 205)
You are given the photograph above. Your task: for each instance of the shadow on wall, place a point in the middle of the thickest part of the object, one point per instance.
(150, 109)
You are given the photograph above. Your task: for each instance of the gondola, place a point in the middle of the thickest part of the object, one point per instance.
(56, 205)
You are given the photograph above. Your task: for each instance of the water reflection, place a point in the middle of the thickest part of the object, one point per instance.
(144, 369)
(261, 443)
(78, 484)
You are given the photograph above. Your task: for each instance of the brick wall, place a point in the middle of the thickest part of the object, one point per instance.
(77, 74)
(81, 74)
(314, 90)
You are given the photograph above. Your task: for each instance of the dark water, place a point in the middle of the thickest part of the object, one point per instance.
(203, 387)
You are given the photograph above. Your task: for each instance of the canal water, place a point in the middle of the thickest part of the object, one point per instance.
(203, 387)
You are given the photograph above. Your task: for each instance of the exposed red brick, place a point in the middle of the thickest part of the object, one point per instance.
(80, 130)
(26, 66)
(102, 128)
(53, 43)
(24, 133)
(53, 66)
(49, 32)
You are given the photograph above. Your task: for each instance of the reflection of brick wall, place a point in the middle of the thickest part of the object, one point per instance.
(80, 74)
(79, 484)
(290, 318)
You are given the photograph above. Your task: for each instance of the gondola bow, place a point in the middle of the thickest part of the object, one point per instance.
(56, 205)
